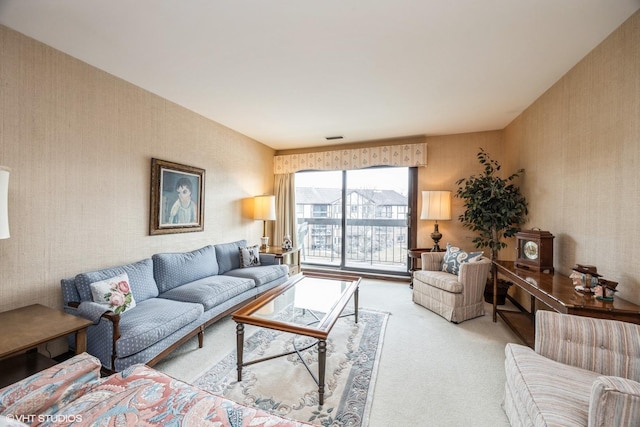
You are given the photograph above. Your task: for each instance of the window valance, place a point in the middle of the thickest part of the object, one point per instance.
(407, 155)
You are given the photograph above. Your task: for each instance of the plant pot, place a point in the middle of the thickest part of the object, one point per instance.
(503, 288)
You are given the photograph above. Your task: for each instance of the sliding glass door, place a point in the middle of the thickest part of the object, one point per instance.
(354, 219)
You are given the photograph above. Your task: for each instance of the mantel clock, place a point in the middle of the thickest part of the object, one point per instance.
(534, 250)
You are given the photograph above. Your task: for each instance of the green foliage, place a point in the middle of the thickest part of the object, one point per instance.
(494, 207)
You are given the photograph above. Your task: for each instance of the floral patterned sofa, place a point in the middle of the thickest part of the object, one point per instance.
(73, 394)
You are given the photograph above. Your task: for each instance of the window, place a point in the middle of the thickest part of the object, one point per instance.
(373, 233)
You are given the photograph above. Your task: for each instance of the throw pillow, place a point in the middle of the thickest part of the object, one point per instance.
(249, 256)
(114, 293)
(456, 256)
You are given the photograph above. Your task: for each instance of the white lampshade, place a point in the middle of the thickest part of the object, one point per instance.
(4, 202)
(264, 208)
(436, 205)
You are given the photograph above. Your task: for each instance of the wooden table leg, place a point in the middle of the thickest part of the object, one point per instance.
(355, 302)
(240, 344)
(81, 340)
(322, 361)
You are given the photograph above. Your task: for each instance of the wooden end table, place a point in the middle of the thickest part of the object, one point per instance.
(280, 254)
(25, 328)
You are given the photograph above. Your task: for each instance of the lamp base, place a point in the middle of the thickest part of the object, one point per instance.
(264, 243)
(436, 236)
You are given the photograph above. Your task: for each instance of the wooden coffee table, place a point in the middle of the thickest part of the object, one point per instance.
(324, 296)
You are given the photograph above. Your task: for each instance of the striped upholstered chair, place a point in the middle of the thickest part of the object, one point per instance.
(583, 372)
(458, 295)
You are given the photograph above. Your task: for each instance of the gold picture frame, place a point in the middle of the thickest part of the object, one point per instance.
(177, 198)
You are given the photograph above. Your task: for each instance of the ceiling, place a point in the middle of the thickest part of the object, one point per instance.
(290, 73)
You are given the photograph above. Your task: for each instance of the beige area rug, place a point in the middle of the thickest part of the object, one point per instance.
(283, 385)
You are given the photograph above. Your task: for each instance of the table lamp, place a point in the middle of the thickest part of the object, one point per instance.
(436, 205)
(264, 208)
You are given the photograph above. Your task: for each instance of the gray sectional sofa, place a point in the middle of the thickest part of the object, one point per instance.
(172, 297)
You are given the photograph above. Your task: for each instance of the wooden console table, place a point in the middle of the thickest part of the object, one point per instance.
(557, 292)
(27, 327)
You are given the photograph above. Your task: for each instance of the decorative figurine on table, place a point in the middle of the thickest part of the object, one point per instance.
(585, 278)
(606, 289)
(287, 245)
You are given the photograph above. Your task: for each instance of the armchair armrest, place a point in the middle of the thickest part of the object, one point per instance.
(474, 274)
(608, 347)
(431, 261)
(614, 401)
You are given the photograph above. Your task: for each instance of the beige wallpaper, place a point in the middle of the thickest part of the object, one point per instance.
(450, 158)
(79, 142)
(580, 146)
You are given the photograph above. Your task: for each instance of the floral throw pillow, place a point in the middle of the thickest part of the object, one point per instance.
(250, 256)
(115, 293)
(456, 256)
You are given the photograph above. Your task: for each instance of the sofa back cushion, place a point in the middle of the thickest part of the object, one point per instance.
(143, 285)
(229, 256)
(175, 269)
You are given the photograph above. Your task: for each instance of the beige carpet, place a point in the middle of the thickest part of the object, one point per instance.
(431, 372)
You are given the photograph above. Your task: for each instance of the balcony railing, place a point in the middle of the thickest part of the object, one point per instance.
(372, 244)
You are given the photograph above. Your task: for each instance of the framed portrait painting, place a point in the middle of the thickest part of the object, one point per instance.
(177, 198)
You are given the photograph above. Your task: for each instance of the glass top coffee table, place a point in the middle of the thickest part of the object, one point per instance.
(288, 308)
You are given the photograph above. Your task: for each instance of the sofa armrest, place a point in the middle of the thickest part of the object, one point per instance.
(49, 389)
(608, 347)
(431, 261)
(614, 401)
(108, 322)
(268, 259)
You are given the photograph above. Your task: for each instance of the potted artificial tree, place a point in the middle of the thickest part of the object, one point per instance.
(494, 208)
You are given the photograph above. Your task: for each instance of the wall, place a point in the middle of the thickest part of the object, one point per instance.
(450, 158)
(79, 142)
(580, 146)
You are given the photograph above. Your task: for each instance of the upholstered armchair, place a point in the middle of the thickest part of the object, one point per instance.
(456, 297)
(583, 372)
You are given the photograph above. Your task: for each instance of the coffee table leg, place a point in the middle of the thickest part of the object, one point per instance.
(355, 302)
(240, 344)
(322, 361)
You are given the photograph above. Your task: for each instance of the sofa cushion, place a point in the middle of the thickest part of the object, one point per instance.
(456, 256)
(551, 393)
(142, 396)
(439, 279)
(209, 291)
(227, 254)
(143, 285)
(249, 256)
(261, 274)
(175, 269)
(114, 294)
(152, 321)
